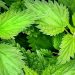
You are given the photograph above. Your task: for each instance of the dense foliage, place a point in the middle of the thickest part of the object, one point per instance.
(37, 37)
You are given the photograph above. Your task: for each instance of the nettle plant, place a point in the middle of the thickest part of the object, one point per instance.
(37, 37)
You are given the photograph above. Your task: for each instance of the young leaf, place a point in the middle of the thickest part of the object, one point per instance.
(10, 60)
(67, 48)
(39, 60)
(65, 69)
(52, 21)
(11, 23)
(29, 71)
(36, 41)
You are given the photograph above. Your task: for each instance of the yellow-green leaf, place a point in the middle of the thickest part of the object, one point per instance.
(29, 71)
(53, 18)
(10, 60)
(67, 48)
(12, 22)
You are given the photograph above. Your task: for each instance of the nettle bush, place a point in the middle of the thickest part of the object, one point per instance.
(37, 37)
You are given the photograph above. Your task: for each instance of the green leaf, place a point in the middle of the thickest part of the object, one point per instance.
(11, 23)
(69, 3)
(2, 4)
(10, 60)
(65, 69)
(73, 19)
(67, 48)
(9, 2)
(36, 41)
(29, 71)
(57, 40)
(19, 5)
(39, 60)
(51, 19)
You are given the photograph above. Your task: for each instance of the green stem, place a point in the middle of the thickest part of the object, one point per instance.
(67, 31)
(72, 30)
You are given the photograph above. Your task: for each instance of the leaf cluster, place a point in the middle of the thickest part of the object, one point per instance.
(37, 37)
